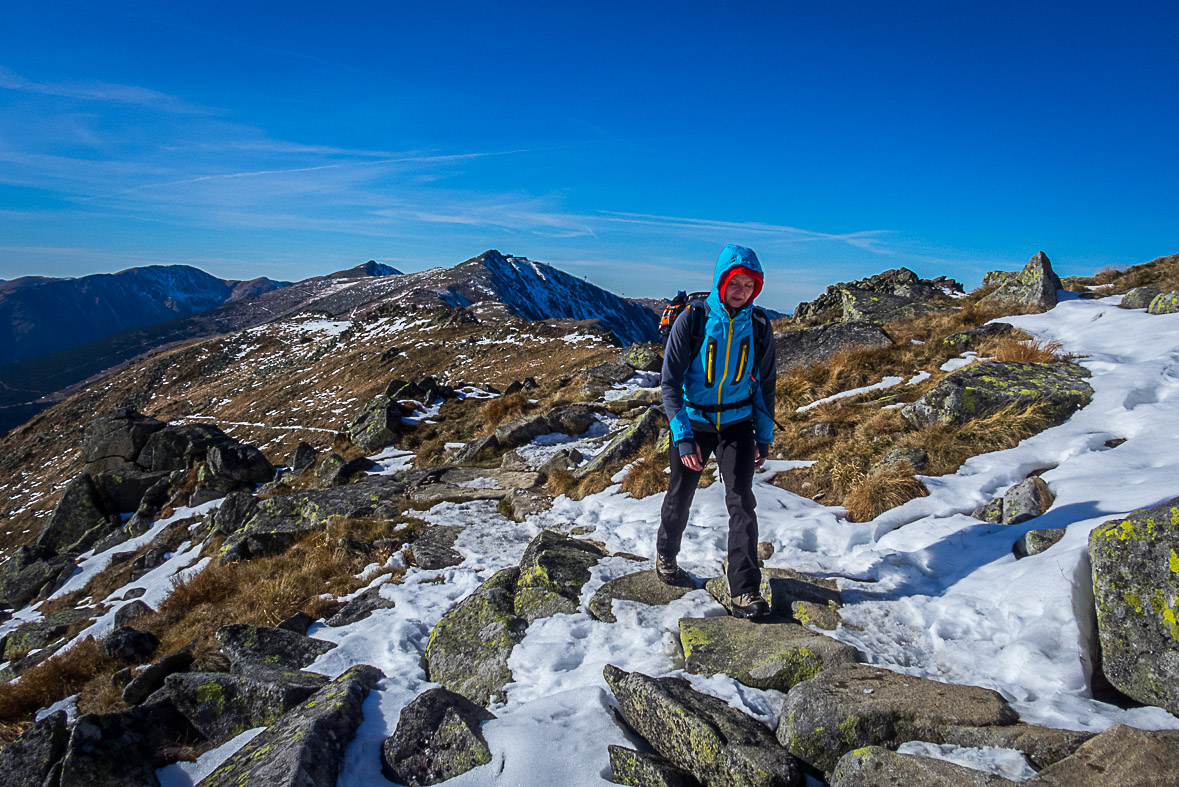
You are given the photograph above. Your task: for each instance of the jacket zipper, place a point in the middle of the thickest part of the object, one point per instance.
(720, 388)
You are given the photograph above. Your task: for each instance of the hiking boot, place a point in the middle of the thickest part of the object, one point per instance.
(750, 605)
(667, 570)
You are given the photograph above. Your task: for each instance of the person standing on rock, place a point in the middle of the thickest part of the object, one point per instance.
(718, 393)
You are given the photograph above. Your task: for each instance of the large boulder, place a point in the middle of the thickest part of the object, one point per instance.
(239, 464)
(642, 586)
(850, 707)
(1164, 303)
(700, 733)
(377, 426)
(609, 373)
(178, 447)
(644, 357)
(521, 431)
(1139, 298)
(222, 706)
(438, 737)
(901, 282)
(129, 644)
(1026, 500)
(1034, 542)
(469, 647)
(37, 634)
(983, 388)
(29, 759)
(30, 572)
(1036, 285)
(969, 339)
(147, 682)
(306, 746)
(646, 769)
(801, 348)
(1125, 756)
(552, 572)
(262, 651)
(123, 749)
(80, 519)
(116, 438)
(1136, 589)
(874, 766)
(879, 307)
(123, 485)
(573, 419)
(627, 443)
(762, 655)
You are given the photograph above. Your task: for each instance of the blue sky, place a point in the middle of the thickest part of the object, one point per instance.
(624, 142)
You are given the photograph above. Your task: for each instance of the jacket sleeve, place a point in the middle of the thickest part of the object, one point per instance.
(763, 400)
(676, 359)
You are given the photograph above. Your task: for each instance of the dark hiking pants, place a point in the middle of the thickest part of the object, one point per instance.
(736, 449)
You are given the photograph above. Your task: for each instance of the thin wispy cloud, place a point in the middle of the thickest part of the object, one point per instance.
(90, 90)
(868, 240)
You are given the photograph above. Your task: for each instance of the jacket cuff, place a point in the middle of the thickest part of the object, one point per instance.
(686, 447)
(763, 450)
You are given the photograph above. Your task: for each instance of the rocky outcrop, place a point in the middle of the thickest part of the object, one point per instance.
(981, 389)
(334, 470)
(552, 572)
(147, 682)
(129, 644)
(1139, 298)
(31, 572)
(809, 346)
(847, 708)
(1026, 500)
(1122, 755)
(1036, 285)
(222, 706)
(1164, 303)
(116, 438)
(1136, 589)
(645, 769)
(570, 419)
(438, 737)
(901, 282)
(123, 749)
(874, 766)
(377, 426)
(29, 759)
(262, 651)
(178, 447)
(762, 655)
(304, 748)
(642, 586)
(627, 443)
(701, 734)
(80, 518)
(879, 308)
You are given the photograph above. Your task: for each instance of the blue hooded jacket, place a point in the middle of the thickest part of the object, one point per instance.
(720, 373)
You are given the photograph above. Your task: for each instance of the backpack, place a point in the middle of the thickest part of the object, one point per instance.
(674, 308)
(698, 312)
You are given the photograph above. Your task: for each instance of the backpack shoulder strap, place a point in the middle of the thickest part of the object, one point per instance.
(761, 333)
(697, 315)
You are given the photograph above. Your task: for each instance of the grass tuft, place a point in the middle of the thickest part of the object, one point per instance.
(647, 475)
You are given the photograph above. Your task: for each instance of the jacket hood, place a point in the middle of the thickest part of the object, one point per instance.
(732, 256)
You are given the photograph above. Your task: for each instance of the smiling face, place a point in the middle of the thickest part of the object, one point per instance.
(739, 291)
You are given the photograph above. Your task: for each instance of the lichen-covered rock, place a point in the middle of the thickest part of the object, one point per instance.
(239, 464)
(123, 484)
(850, 707)
(477, 450)
(762, 655)
(565, 459)
(303, 457)
(824, 616)
(334, 470)
(115, 438)
(234, 511)
(147, 682)
(781, 587)
(305, 747)
(79, 519)
(609, 373)
(1136, 589)
(983, 388)
(377, 426)
(28, 759)
(1164, 303)
(901, 281)
(123, 749)
(879, 308)
(644, 357)
(1035, 285)
(1139, 298)
(873, 766)
(644, 769)
(222, 706)
(469, 647)
(968, 340)
(129, 644)
(808, 346)
(39, 633)
(432, 549)
(552, 572)
(1125, 756)
(366, 603)
(179, 447)
(1034, 542)
(261, 651)
(895, 459)
(991, 513)
(1043, 746)
(702, 734)
(437, 738)
(626, 444)
(642, 586)
(30, 571)
(1026, 500)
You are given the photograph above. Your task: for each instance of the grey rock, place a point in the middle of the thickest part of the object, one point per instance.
(476, 450)
(519, 504)
(513, 461)
(566, 459)
(1034, 542)
(305, 747)
(818, 431)
(176, 448)
(401, 389)
(824, 616)
(781, 587)
(762, 655)
(261, 651)
(902, 282)
(700, 733)
(150, 680)
(29, 759)
(983, 388)
(552, 572)
(304, 456)
(129, 644)
(123, 484)
(809, 346)
(643, 357)
(299, 623)
(874, 766)
(240, 464)
(432, 549)
(642, 586)
(1035, 285)
(469, 647)
(521, 430)
(31, 570)
(644, 769)
(377, 426)
(991, 512)
(205, 495)
(879, 308)
(366, 603)
(572, 419)
(1026, 500)
(335, 471)
(437, 738)
(80, 518)
(115, 438)
(1135, 587)
(1125, 756)
(38, 634)
(1139, 298)
(1043, 746)
(850, 707)
(129, 613)
(122, 749)
(1164, 303)
(895, 459)
(626, 444)
(222, 706)
(609, 373)
(234, 511)
(968, 340)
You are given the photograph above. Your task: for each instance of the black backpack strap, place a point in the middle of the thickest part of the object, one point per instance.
(697, 315)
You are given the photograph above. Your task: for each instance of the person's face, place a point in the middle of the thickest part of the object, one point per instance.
(739, 291)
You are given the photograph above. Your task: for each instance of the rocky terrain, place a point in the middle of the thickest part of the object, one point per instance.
(408, 541)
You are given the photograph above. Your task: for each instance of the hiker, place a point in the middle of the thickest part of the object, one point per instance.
(718, 393)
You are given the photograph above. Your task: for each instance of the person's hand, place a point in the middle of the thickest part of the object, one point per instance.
(693, 461)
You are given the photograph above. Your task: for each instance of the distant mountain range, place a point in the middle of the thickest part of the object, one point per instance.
(40, 315)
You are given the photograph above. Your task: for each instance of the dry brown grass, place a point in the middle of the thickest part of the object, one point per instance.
(563, 482)
(1021, 347)
(648, 475)
(52, 680)
(502, 409)
(875, 493)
